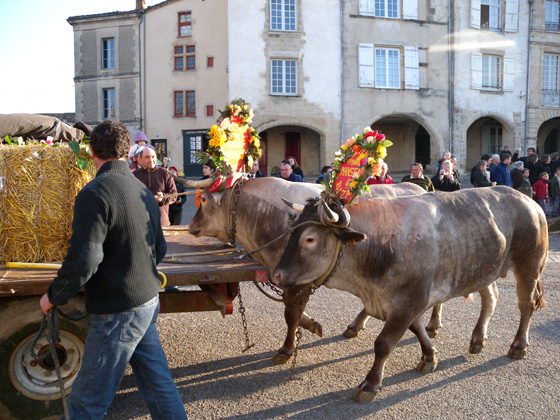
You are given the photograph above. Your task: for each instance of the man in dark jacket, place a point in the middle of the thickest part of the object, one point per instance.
(116, 243)
(444, 179)
(480, 178)
(516, 174)
(286, 172)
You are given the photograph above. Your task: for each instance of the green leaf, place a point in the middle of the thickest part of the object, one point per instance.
(386, 143)
(87, 149)
(82, 163)
(75, 147)
(8, 140)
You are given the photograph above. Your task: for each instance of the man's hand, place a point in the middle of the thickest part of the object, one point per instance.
(159, 197)
(45, 304)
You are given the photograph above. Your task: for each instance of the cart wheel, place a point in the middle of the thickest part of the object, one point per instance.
(30, 389)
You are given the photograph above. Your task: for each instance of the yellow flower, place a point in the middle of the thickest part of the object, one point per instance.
(353, 184)
(382, 151)
(256, 142)
(225, 124)
(344, 147)
(217, 136)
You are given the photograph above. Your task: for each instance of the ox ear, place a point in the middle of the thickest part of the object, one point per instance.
(218, 198)
(350, 236)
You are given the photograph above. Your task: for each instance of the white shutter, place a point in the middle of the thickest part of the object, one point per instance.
(509, 74)
(475, 14)
(365, 8)
(365, 65)
(476, 70)
(512, 15)
(411, 68)
(410, 9)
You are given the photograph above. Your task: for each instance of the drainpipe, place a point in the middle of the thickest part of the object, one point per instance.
(450, 68)
(342, 72)
(140, 55)
(528, 75)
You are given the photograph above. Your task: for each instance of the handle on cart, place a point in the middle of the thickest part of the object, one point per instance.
(163, 279)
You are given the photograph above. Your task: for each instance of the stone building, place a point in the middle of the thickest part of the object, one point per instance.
(470, 77)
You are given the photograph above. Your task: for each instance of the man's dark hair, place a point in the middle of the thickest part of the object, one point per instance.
(285, 162)
(110, 140)
(417, 164)
(485, 156)
(325, 169)
(532, 149)
(505, 155)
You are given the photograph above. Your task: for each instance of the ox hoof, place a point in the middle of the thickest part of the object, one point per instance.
(516, 353)
(364, 397)
(317, 329)
(426, 367)
(350, 333)
(476, 348)
(281, 358)
(431, 333)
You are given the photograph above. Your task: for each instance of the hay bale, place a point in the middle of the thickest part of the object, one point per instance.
(38, 185)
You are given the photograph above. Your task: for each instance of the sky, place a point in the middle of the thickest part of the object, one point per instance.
(37, 52)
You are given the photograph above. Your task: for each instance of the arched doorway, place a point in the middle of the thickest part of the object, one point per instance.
(548, 137)
(487, 135)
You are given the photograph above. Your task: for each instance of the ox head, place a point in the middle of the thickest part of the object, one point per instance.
(313, 246)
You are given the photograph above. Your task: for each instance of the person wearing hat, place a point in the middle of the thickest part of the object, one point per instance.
(176, 209)
(140, 140)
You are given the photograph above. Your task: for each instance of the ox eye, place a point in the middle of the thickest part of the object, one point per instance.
(203, 199)
(309, 240)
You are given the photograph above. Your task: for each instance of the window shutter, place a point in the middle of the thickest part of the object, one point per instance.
(512, 15)
(475, 14)
(509, 74)
(365, 65)
(411, 68)
(410, 9)
(365, 8)
(476, 70)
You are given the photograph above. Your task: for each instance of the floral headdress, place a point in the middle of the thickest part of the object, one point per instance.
(234, 126)
(358, 159)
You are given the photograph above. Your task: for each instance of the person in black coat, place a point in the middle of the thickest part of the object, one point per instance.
(295, 167)
(254, 171)
(176, 209)
(444, 179)
(480, 177)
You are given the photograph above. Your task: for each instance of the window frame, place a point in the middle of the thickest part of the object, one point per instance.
(387, 4)
(551, 91)
(184, 24)
(176, 94)
(210, 62)
(186, 55)
(209, 110)
(387, 68)
(284, 22)
(293, 81)
(190, 95)
(494, 10)
(552, 17)
(487, 75)
(108, 54)
(109, 101)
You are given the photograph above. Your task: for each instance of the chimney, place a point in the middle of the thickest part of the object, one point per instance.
(140, 4)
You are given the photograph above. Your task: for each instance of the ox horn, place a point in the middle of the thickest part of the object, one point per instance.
(194, 184)
(331, 216)
(295, 206)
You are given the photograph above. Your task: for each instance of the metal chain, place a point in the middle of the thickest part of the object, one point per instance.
(241, 310)
(294, 359)
(232, 230)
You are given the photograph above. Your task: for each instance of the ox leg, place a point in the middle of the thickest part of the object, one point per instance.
(488, 299)
(526, 304)
(293, 312)
(435, 321)
(393, 330)
(357, 325)
(429, 361)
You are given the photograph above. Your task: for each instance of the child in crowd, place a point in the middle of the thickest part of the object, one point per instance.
(555, 192)
(541, 190)
(525, 187)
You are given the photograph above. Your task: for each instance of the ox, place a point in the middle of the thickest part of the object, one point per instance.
(418, 252)
(260, 217)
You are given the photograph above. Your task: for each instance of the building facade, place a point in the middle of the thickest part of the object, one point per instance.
(470, 77)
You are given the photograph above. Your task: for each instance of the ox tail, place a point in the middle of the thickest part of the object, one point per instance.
(538, 297)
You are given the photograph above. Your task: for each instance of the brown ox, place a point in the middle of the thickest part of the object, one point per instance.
(260, 217)
(419, 252)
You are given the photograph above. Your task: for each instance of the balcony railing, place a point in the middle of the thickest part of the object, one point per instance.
(551, 98)
(552, 26)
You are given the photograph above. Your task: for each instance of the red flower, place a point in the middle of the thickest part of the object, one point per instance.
(356, 148)
(379, 137)
(236, 119)
(370, 134)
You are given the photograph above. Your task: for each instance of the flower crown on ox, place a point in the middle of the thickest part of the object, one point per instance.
(234, 144)
(358, 159)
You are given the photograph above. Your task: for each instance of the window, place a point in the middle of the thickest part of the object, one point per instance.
(552, 15)
(283, 77)
(283, 15)
(185, 58)
(381, 8)
(185, 27)
(550, 90)
(490, 14)
(491, 72)
(109, 104)
(180, 110)
(108, 53)
(209, 61)
(387, 66)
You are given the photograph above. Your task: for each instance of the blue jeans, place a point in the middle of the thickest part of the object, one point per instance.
(556, 204)
(114, 341)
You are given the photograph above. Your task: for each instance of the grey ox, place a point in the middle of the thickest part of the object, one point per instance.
(412, 253)
(254, 214)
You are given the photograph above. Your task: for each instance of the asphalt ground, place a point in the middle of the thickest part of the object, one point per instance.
(217, 381)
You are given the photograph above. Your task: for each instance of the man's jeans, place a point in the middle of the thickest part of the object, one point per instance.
(556, 205)
(113, 341)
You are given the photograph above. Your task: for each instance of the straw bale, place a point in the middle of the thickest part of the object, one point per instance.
(38, 185)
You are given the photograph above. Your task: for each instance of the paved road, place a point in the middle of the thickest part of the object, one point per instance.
(217, 381)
